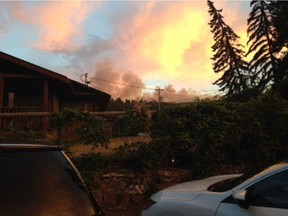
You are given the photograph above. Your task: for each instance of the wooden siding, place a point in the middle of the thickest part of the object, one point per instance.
(25, 87)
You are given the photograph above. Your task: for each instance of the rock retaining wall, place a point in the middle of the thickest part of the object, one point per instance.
(126, 194)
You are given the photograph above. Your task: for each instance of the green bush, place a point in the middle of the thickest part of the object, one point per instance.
(90, 129)
(133, 122)
(204, 134)
(90, 165)
(139, 156)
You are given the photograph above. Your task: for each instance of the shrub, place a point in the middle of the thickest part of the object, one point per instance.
(139, 156)
(206, 133)
(90, 165)
(133, 122)
(90, 129)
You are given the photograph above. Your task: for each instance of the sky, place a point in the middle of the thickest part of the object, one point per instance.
(127, 48)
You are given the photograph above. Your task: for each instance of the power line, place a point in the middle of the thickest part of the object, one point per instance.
(132, 86)
(123, 84)
(212, 91)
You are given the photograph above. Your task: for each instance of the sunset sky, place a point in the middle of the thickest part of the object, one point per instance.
(145, 44)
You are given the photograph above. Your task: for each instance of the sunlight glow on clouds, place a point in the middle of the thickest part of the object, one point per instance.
(148, 43)
(174, 42)
(167, 43)
(61, 25)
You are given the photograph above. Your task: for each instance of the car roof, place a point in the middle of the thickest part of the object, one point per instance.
(28, 147)
(278, 167)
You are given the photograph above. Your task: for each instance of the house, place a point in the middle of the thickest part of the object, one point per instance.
(26, 87)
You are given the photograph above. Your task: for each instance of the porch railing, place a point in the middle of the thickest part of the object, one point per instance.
(19, 109)
(26, 121)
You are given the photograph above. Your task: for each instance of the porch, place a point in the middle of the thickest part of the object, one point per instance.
(24, 121)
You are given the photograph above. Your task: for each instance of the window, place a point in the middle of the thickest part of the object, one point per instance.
(270, 192)
(11, 99)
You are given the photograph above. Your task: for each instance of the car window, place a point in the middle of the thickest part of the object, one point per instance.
(41, 184)
(228, 184)
(270, 192)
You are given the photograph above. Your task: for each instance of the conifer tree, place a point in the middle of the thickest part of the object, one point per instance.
(279, 11)
(262, 35)
(228, 57)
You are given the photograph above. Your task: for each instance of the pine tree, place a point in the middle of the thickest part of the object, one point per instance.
(228, 57)
(279, 11)
(262, 35)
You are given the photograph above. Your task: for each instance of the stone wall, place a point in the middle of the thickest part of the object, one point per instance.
(124, 193)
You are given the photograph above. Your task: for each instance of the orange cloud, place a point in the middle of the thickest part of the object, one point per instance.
(179, 41)
(60, 24)
(168, 43)
(172, 44)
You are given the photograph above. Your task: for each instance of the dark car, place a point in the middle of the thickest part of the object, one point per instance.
(40, 180)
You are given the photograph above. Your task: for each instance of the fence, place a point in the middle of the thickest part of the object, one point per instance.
(27, 121)
(19, 109)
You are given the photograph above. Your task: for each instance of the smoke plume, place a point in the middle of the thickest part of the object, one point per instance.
(115, 81)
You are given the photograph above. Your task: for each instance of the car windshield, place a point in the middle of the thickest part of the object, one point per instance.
(41, 183)
(230, 183)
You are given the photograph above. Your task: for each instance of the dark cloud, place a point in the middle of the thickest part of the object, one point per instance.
(93, 48)
(92, 52)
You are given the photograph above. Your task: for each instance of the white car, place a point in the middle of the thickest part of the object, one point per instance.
(263, 194)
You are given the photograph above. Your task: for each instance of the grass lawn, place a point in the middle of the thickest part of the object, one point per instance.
(79, 149)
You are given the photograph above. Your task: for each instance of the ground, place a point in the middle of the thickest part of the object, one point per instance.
(123, 192)
(79, 149)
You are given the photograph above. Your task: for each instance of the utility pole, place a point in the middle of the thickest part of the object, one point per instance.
(85, 80)
(159, 97)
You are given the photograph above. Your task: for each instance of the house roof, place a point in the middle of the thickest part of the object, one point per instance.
(77, 87)
(33, 67)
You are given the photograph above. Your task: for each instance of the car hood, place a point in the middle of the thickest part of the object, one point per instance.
(189, 190)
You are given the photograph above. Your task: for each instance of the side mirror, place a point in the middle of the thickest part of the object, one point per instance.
(241, 198)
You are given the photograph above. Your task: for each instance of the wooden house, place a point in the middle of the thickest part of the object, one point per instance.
(26, 87)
